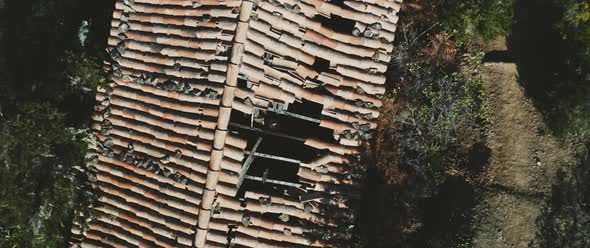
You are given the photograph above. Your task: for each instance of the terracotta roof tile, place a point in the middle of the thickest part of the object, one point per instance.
(170, 162)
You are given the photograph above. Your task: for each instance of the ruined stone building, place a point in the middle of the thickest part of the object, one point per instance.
(235, 123)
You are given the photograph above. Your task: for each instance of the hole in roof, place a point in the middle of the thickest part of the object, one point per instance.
(242, 83)
(321, 65)
(273, 168)
(307, 108)
(336, 23)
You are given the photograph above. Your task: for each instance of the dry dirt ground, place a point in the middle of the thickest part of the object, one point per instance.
(522, 167)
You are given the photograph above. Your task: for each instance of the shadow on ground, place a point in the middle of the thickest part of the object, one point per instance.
(401, 215)
(542, 55)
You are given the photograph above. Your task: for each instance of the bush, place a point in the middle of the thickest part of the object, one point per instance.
(432, 120)
(557, 79)
(575, 28)
(436, 111)
(575, 25)
(431, 127)
(486, 19)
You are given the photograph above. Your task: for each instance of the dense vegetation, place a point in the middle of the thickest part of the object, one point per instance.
(427, 150)
(430, 144)
(430, 140)
(40, 177)
(557, 78)
(486, 19)
(46, 98)
(564, 98)
(574, 95)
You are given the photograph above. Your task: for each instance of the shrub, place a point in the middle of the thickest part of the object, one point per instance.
(575, 28)
(431, 122)
(485, 19)
(435, 111)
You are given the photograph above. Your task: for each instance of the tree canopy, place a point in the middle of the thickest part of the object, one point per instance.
(54, 60)
(41, 177)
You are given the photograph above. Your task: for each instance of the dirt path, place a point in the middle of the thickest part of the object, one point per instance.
(523, 165)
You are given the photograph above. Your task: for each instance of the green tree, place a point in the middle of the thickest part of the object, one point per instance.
(572, 95)
(55, 50)
(84, 72)
(41, 174)
(575, 27)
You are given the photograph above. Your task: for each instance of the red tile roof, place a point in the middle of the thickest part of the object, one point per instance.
(169, 163)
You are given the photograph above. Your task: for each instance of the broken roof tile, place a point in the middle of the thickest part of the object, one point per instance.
(197, 83)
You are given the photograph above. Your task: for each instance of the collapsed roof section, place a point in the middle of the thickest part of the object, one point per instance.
(235, 123)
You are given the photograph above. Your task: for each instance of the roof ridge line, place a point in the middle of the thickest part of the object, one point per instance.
(227, 98)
